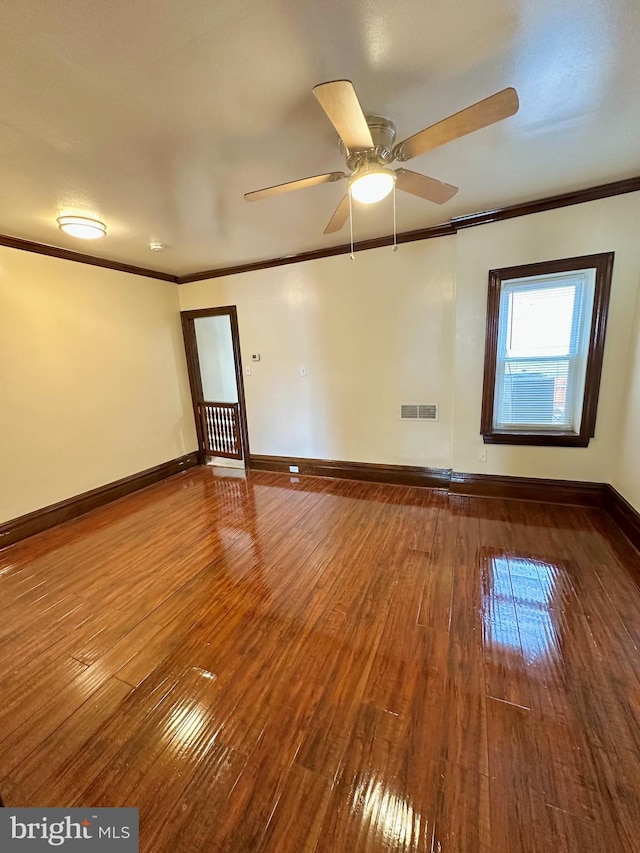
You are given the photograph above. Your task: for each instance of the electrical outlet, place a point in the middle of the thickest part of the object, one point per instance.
(482, 455)
(303, 370)
(247, 371)
(294, 469)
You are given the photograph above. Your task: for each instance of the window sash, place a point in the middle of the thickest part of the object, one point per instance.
(542, 392)
(549, 392)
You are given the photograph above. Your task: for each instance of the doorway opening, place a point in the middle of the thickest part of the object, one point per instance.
(212, 345)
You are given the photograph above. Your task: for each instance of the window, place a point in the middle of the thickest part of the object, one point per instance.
(543, 358)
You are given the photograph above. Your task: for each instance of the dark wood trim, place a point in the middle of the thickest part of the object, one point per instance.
(625, 516)
(81, 258)
(603, 265)
(570, 492)
(528, 489)
(195, 380)
(445, 230)
(401, 475)
(628, 185)
(50, 516)
(540, 490)
(602, 262)
(557, 438)
(479, 485)
(490, 354)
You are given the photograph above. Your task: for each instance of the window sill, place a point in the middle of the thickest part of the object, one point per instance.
(542, 438)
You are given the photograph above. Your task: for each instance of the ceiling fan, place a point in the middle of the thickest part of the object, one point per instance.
(367, 143)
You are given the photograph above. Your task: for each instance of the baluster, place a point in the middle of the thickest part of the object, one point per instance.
(205, 429)
(212, 428)
(223, 436)
(229, 433)
(236, 442)
(223, 429)
(217, 414)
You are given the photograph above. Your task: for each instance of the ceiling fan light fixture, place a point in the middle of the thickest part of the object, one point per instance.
(367, 143)
(82, 226)
(371, 184)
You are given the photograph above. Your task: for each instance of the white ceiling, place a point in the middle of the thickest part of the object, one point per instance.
(157, 115)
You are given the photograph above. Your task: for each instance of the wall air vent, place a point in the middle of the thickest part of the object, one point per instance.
(419, 412)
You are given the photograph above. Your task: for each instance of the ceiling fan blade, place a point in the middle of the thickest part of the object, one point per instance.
(501, 105)
(339, 101)
(424, 187)
(290, 186)
(337, 221)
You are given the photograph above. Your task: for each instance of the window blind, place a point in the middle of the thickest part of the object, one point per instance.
(542, 349)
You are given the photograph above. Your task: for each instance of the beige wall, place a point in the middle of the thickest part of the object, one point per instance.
(626, 474)
(372, 333)
(93, 382)
(600, 226)
(409, 327)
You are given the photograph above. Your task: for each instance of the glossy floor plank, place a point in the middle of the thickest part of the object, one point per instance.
(298, 664)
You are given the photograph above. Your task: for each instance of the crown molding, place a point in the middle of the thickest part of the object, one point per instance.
(81, 258)
(447, 229)
(628, 185)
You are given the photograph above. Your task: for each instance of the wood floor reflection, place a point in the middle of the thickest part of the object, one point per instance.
(299, 664)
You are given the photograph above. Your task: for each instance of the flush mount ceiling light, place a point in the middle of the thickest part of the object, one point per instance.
(82, 226)
(371, 183)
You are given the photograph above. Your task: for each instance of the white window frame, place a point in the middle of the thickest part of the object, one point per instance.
(576, 358)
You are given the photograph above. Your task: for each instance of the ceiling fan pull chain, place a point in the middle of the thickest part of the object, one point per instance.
(367, 143)
(353, 257)
(395, 230)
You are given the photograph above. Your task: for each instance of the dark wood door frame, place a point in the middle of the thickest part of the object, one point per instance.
(195, 377)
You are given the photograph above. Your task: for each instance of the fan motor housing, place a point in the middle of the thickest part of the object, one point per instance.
(383, 133)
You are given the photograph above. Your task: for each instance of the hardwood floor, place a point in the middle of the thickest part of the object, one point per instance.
(324, 665)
